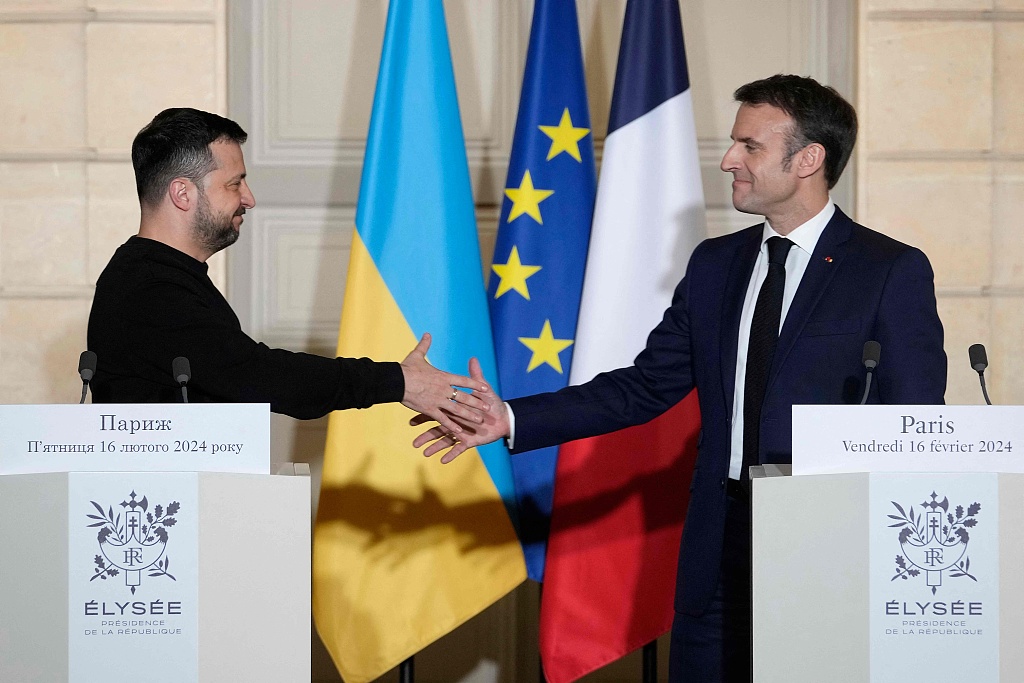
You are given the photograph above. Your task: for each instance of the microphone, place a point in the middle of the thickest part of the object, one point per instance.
(979, 361)
(182, 372)
(86, 370)
(869, 359)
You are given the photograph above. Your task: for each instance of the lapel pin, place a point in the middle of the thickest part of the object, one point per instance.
(828, 259)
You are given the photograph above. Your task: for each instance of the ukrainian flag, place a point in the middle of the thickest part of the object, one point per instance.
(405, 549)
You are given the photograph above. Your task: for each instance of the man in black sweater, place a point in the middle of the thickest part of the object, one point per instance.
(154, 301)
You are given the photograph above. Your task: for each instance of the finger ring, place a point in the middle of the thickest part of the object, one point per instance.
(454, 439)
(455, 392)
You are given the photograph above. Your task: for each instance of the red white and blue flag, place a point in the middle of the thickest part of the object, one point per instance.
(620, 499)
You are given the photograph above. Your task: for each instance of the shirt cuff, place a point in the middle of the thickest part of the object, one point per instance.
(511, 440)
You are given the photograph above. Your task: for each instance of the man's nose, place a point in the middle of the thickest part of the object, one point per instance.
(729, 160)
(248, 200)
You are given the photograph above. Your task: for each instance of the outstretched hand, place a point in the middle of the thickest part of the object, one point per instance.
(491, 425)
(433, 393)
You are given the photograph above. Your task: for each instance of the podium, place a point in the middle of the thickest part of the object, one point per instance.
(153, 575)
(897, 575)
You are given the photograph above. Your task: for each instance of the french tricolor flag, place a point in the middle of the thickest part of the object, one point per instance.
(620, 499)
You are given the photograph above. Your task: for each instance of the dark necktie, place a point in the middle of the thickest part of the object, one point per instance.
(764, 337)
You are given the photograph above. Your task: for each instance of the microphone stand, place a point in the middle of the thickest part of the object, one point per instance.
(869, 359)
(984, 389)
(867, 386)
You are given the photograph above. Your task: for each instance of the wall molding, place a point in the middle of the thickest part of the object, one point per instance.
(66, 155)
(981, 292)
(945, 15)
(90, 16)
(946, 155)
(84, 292)
(47, 155)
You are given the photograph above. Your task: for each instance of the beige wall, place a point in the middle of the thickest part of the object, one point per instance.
(941, 165)
(940, 162)
(77, 80)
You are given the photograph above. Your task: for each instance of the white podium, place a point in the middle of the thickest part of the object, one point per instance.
(173, 576)
(820, 607)
(896, 575)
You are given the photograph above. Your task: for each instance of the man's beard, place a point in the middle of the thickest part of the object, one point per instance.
(213, 232)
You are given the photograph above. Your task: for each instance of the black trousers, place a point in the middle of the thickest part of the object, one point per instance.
(715, 647)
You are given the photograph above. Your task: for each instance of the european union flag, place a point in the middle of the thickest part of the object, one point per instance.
(541, 251)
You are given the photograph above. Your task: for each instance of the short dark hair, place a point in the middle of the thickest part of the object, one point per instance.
(819, 112)
(176, 144)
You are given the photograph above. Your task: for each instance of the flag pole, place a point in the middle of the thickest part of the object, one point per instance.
(540, 660)
(650, 662)
(406, 672)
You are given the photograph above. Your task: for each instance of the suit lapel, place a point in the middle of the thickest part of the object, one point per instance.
(828, 254)
(736, 282)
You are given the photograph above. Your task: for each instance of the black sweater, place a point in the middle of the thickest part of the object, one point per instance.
(154, 303)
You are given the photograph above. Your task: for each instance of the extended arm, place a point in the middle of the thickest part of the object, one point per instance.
(163, 319)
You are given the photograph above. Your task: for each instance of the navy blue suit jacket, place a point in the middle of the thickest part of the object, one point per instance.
(859, 285)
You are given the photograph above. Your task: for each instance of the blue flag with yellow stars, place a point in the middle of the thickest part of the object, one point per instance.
(541, 250)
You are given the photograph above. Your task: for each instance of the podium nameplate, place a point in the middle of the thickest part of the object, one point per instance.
(834, 439)
(150, 437)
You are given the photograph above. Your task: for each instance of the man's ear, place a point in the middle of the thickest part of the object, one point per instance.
(810, 159)
(182, 193)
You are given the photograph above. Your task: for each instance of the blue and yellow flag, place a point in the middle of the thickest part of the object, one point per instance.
(406, 549)
(541, 251)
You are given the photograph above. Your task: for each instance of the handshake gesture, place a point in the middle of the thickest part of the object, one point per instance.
(470, 420)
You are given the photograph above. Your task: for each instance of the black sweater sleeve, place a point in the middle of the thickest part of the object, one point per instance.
(231, 366)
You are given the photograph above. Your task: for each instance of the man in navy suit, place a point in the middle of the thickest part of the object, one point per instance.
(828, 286)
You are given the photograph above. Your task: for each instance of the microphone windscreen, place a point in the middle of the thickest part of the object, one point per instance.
(979, 359)
(181, 370)
(872, 354)
(87, 365)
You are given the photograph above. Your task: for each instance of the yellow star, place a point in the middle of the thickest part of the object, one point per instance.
(545, 348)
(564, 138)
(513, 275)
(526, 200)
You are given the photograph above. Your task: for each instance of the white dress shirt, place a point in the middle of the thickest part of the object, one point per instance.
(804, 239)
